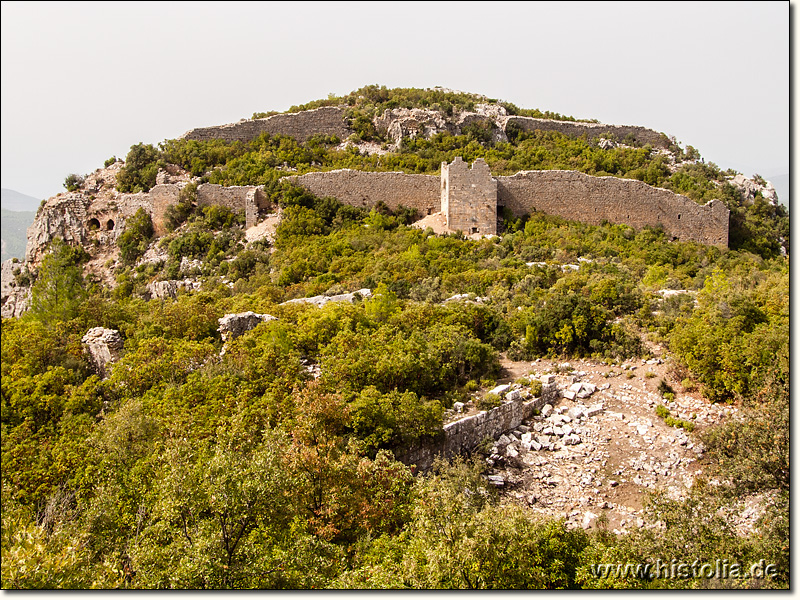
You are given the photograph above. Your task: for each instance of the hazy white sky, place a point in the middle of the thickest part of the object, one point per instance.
(84, 81)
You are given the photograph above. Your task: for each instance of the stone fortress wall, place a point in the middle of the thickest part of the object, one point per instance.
(463, 436)
(620, 133)
(468, 197)
(328, 120)
(594, 200)
(248, 198)
(365, 189)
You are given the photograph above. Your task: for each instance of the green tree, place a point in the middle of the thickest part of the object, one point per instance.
(137, 235)
(60, 288)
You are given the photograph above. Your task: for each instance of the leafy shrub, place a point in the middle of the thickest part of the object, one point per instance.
(73, 182)
(133, 242)
(488, 402)
(140, 170)
(665, 388)
(176, 214)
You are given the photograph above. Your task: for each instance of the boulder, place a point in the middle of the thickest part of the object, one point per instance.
(233, 325)
(500, 389)
(103, 347)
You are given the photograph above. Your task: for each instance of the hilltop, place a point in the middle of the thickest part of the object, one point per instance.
(399, 338)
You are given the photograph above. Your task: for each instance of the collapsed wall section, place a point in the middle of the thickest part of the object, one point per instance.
(328, 120)
(620, 133)
(463, 436)
(365, 189)
(594, 200)
(247, 198)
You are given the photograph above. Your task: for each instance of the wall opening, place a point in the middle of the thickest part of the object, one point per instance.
(679, 217)
(93, 224)
(110, 225)
(474, 230)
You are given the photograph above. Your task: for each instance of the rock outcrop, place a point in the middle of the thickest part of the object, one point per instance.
(232, 325)
(169, 287)
(15, 299)
(749, 188)
(103, 347)
(321, 301)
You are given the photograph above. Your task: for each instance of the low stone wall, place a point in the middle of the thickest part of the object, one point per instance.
(365, 189)
(463, 436)
(328, 120)
(576, 129)
(576, 196)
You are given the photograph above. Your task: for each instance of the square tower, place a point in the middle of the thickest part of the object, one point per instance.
(469, 197)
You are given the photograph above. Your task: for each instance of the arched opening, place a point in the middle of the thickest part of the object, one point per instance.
(110, 225)
(93, 224)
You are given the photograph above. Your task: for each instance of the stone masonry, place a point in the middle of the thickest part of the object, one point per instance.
(365, 189)
(620, 133)
(462, 436)
(248, 198)
(328, 120)
(593, 200)
(469, 197)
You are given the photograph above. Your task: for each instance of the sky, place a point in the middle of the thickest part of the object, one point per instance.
(84, 81)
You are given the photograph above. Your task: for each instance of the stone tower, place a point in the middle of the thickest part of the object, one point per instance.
(469, 197)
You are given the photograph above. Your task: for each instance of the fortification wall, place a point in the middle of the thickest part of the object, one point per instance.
(591, 130)
(163, 196)
(462, 436)
(469, 197)
(328, 120)
(365, 189)
(593, 200)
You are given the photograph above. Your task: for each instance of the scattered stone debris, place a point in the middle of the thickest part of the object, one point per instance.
(580, 460)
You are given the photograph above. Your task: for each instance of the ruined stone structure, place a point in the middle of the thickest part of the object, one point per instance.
(365, 189)
(469, 197)
(398, 123)
(594, 200)
(328, 120)
(462, 436)
(620, 133)
(248, 198)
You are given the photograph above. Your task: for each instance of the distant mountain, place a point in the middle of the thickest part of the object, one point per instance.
(781, 183)
(14, 228)
(13, 200)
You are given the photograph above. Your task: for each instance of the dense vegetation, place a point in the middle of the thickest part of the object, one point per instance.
(189, 467)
